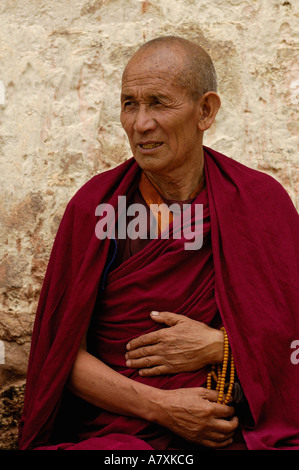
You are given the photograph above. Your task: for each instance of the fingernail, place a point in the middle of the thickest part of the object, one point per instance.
(154, 313)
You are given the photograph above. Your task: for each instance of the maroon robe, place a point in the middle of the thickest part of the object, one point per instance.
(245, 276)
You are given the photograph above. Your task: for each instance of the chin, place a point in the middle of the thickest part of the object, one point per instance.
(151, 163)
(148, 163)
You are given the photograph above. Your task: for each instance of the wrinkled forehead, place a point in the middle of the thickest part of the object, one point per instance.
(157, 63)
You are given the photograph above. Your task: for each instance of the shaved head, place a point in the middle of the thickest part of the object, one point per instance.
(168, 100)
(197, 75)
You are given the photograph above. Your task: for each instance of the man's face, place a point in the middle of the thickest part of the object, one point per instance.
(159, 117)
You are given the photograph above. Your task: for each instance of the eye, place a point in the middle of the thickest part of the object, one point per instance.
(156, 102)
(128, 104)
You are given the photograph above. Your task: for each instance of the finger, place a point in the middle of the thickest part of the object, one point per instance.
(151, 371)
(223, 432)
(223, 411)
(211, 395)
(144, 362)
(143, 340)
(168, 318)
(220, 410)
(220, 437)
(224, 426)
(215, 444)
(140, 352)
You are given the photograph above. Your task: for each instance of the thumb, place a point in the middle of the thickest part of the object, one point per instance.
(169, 318)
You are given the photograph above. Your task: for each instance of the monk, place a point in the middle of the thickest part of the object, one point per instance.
(131, 331)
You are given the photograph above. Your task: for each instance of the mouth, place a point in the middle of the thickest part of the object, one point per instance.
(150, 145)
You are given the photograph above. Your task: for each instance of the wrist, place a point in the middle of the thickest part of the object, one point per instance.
(156, 402)
(218, 347)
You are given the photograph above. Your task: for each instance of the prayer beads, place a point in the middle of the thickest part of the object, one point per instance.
(226, 368)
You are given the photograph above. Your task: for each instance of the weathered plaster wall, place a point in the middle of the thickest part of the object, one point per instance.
(60, 70)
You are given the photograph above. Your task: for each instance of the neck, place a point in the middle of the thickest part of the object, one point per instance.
(179, 185)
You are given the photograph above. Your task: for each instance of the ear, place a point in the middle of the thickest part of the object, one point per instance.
(209, 105)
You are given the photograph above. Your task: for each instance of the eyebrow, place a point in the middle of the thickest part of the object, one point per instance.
(125, 97)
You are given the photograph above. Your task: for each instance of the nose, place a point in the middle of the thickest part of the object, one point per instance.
(144, 120)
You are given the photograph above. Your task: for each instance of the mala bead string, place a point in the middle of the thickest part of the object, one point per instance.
(222, 372)
(224, 368)
(231, 381)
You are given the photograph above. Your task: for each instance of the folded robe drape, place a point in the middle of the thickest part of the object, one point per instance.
(254, 236)
(163, 276)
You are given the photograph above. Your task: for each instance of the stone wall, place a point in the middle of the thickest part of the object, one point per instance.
(60, 71)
